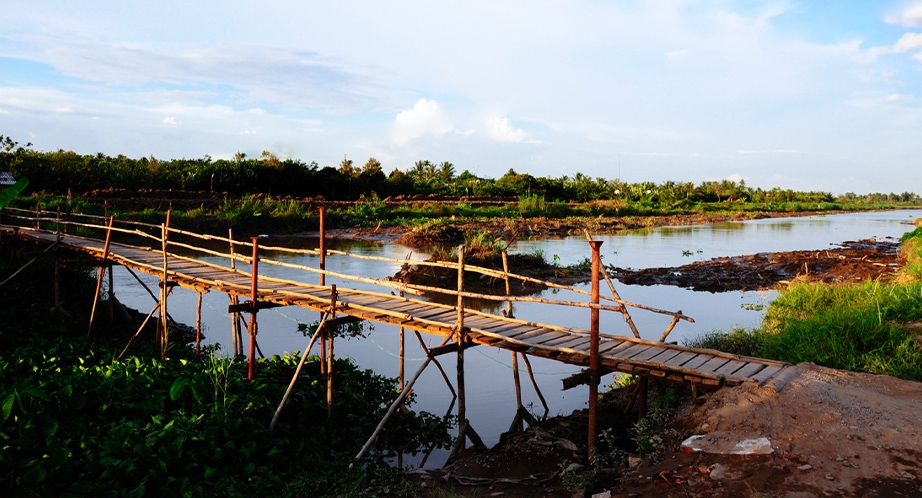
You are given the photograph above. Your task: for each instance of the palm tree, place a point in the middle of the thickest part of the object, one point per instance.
(446, 171)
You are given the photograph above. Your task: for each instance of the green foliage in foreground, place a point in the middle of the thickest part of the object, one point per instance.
(75, 422)
(854, 327)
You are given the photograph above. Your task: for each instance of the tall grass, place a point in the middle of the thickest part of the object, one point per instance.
(857, 327)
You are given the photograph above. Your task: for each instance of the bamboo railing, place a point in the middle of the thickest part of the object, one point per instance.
(135, 228)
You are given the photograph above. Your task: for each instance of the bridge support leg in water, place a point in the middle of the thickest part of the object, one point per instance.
(594, 349)
(459, 331)
(254, 300)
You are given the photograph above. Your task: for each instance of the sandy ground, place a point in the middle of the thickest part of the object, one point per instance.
(831, 433)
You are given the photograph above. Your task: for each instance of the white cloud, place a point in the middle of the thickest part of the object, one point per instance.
(501, 130)
(425, 118)
(170, 121)
(907, 42)
(252, 71)
(735, 177)
(911, 17)
(677, 55)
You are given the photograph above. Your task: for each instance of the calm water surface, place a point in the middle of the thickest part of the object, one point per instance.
(490, 390)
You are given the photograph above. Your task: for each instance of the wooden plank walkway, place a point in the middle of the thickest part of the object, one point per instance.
(567, 345)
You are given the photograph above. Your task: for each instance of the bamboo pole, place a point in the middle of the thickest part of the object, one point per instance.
(164, 290)
(198, 326)
(614, 293)
(506, 279)
(454, 395)
(397, 402)
(254, 300)
(321, 210)
(459, 331)
(671, 326)
(329, 335)
(517, 420)
(234, 300)
(294, 378)
(534, 384)
(149, 315)
(594, 350)
(102, 272)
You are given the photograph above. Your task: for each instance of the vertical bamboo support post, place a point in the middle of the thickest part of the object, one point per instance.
(508, 289)
(69, 205)
(110, 296)
(517, 420)
(234, 300)
(614, 294)
(323, 243)
(198, 326)
(459, 330)
(321, 213)
(38, 224)
(164, 290)
(594, 349)
(329, 334)
(253, 299)
(102, 272)
(402, 377)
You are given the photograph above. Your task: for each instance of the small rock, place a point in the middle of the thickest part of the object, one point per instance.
(829, 477)
(633, 460)
(603, 494)
(805, 467)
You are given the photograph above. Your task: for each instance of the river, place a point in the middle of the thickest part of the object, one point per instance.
(490, 390)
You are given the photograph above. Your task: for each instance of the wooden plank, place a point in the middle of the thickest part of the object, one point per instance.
(612, 348)
(730, 367)
(575, 343)
(666, 355)
(506, 328)
(520, 332)
(749, 370)
(528, 336)
(557, 342)
(766, 373)
(633, 350)
(697, 361)
(475, 321)
(547, 336)
(650, 353)
(713, 364)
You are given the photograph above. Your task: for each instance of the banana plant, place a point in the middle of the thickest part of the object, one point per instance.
(12, 191)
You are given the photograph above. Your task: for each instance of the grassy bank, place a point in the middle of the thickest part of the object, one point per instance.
(74, 421)
(859, 327)
(260, 213)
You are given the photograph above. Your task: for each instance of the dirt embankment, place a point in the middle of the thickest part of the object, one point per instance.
(827, 433)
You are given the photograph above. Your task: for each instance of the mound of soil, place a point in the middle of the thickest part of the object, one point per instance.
(851, 262)
(830, 433)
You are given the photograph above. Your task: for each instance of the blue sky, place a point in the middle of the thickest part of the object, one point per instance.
(809, 95)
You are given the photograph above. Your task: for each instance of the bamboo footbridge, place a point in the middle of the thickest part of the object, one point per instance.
(460, 327)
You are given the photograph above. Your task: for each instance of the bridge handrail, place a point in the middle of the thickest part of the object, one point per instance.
(386, 283)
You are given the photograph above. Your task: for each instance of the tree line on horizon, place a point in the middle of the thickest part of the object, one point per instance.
(55, 172)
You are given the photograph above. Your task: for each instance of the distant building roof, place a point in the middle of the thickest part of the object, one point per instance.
(6, 178)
